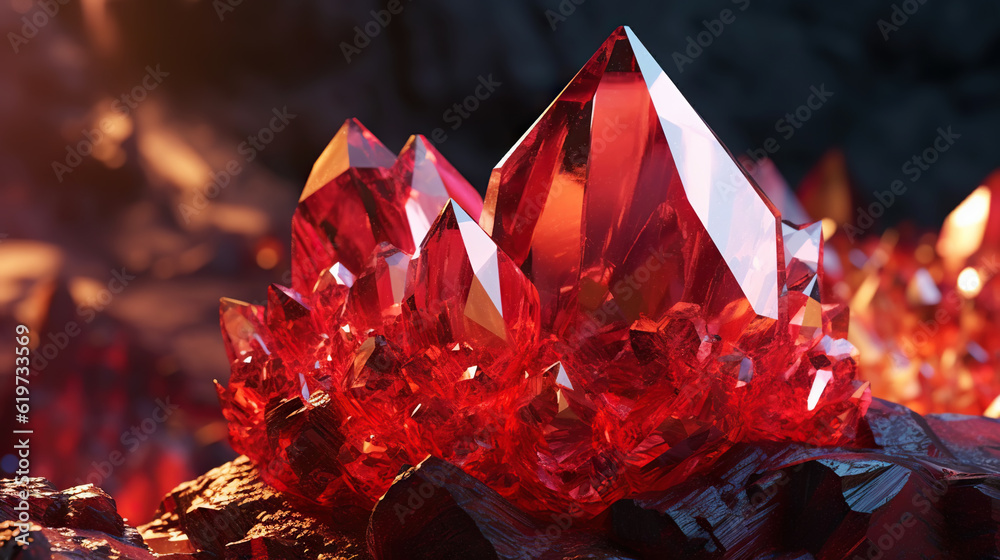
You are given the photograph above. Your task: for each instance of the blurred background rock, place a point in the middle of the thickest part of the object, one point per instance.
(160, 185)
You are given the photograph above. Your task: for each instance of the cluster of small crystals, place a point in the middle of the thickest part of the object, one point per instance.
(627, 307)
(941, 351)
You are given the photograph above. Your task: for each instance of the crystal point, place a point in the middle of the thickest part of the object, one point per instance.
(621, 183)
(350, 204)
(432, 182)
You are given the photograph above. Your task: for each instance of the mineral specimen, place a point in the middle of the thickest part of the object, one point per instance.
(627, 308)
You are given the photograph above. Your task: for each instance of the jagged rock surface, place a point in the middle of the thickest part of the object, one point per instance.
(230, 513)
(81, 522)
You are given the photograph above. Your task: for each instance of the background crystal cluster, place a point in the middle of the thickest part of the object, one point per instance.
(940, 352)
(631, 307)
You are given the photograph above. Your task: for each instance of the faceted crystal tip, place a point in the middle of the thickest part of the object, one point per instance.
(240, 322)
(432, 181)
(352, 146)
(618, 168)
(434, 175)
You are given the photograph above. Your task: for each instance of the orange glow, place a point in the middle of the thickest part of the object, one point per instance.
(925, 254)
(267, 258)
(174, 160)
(829, 228)
(963, 230)
(969, 283)
(994, 409)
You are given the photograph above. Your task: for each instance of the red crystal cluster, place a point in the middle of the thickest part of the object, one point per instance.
(940, 353)
(627, 308)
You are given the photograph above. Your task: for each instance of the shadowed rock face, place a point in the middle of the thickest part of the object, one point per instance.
(435, 510)
(230, 513)
(915, 489)
(81, 522)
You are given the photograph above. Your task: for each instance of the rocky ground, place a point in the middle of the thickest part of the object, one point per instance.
(915, 487)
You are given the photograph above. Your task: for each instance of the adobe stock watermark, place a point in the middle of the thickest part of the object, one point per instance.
(697, 43)
(913, 169)
(122, 106)
(249, 149)
(899, 16)
(788, 125)
(458, 113)
(364, 34)
(32, 23)
(131, 439)
(562, 12)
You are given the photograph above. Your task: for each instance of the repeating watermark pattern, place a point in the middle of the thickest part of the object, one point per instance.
(696, 44)
(364, 34)
(87, 311)
(610, 133)
(892, 532)
(913, 169)
(899, 16)
(46, 11)
(22, 450)
(120, 107)
(562, 12)
(457, 114)
(131, 439)
(788, 125)
(249, 149)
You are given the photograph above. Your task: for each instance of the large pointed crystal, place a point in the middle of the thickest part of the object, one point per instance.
(621, 199)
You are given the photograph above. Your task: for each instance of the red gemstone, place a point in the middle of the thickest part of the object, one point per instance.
(621, 199)
(464, 290)
(634, 308)
(432, 181)
(375, 297)
(350, 204)
(621, 205)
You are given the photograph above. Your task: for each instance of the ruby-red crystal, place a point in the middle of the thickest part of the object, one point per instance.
(632, 307)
